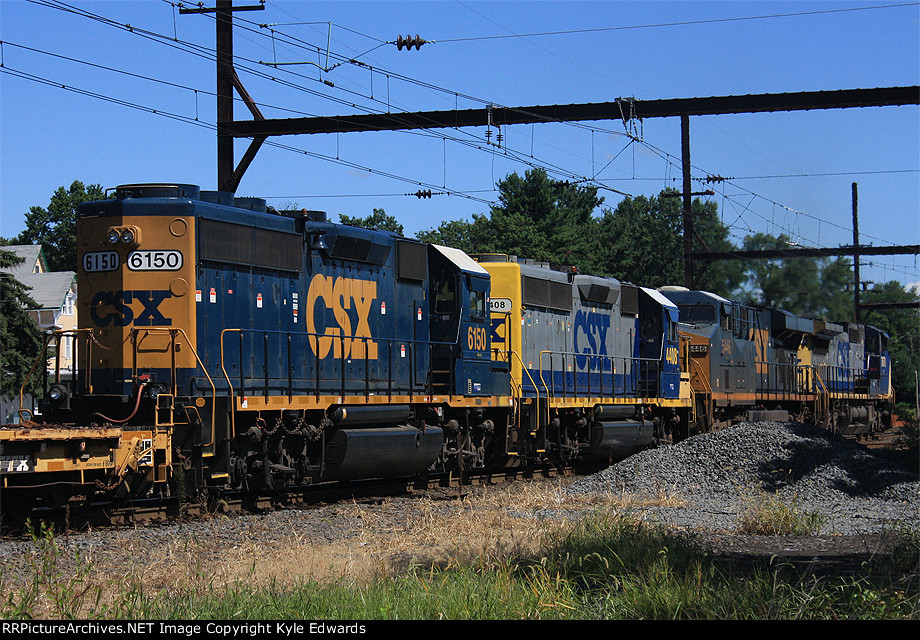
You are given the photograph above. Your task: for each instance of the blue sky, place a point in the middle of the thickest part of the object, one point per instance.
(139, 106)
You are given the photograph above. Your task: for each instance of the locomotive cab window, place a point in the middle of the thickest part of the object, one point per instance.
(478, 304)
(650, 325)
(479, 309)
(445, 297)
(725, 318)
(696, 314)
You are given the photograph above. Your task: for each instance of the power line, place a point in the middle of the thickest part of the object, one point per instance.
(206, 53)
(510, 154)
(668, 158)
(174, 116)
(672, 24)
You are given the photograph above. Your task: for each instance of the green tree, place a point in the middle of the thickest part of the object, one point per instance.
(378, 220)
(56, 227)
(903, 329)
(837, 302)
(537, 217)
(458, 234)
(814, 288)
(642, 242)
(545, 219)
(20, 337)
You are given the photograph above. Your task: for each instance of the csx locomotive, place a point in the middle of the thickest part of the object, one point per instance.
(227, 346)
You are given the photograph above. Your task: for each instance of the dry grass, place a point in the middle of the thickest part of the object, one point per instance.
(489, 524)
(486, 526)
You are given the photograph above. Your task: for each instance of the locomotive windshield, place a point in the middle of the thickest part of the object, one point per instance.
(445, 293)
(697, 314)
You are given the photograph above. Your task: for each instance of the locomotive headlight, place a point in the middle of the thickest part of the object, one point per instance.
(59, 396)
(156, 389)
(127, 235)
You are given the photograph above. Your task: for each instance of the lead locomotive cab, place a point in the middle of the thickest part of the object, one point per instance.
(461, 329)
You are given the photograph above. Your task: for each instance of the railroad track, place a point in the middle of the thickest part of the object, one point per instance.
(80, 516)
(889, 439)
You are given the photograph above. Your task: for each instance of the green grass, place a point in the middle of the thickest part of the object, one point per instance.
(772, 515)
(606, 567)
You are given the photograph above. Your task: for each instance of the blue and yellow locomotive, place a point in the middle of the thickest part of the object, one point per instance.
(753, 363)
(240, 348)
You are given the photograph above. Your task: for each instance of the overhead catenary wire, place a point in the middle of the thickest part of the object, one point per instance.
(206, 53)
(681, 23)
(481, 145)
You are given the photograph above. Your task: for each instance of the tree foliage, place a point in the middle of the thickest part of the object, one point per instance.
(537, 217)
(20, 337)
(903, 329)
(378, 220)
(642, 242)
(56, 227)
(815, 288)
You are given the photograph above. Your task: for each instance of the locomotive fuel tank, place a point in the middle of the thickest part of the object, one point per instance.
(380, 452)
(617, 440)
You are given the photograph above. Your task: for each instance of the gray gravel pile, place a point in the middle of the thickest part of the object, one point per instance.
(715, 478)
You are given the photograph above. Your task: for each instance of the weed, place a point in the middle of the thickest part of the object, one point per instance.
(771, 513)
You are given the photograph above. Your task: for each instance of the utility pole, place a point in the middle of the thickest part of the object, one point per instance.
(228, 179)
(856, 313)
(688, 218)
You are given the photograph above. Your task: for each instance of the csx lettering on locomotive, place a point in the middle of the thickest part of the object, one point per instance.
(351, 336)
(592, 327)
(115, 308)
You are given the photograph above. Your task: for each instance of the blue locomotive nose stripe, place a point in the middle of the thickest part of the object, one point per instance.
(496, 337)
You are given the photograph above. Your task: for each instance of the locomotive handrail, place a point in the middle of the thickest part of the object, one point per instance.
(42, 357)
(227, 378)
(575, 355)
(173, 332)
(524, 369)
(627, 360)
(701, 375)
(821, 398)
(312, 338)
(787, 378)
(845, 376)
(781, 378)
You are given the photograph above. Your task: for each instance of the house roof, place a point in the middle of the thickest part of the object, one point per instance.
(49, 289)
(34, 259)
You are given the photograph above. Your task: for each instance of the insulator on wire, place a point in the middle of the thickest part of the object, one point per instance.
(422, 194)
(408, 42)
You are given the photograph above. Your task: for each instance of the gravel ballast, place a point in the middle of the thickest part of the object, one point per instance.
(713, 479)
(702, 485)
